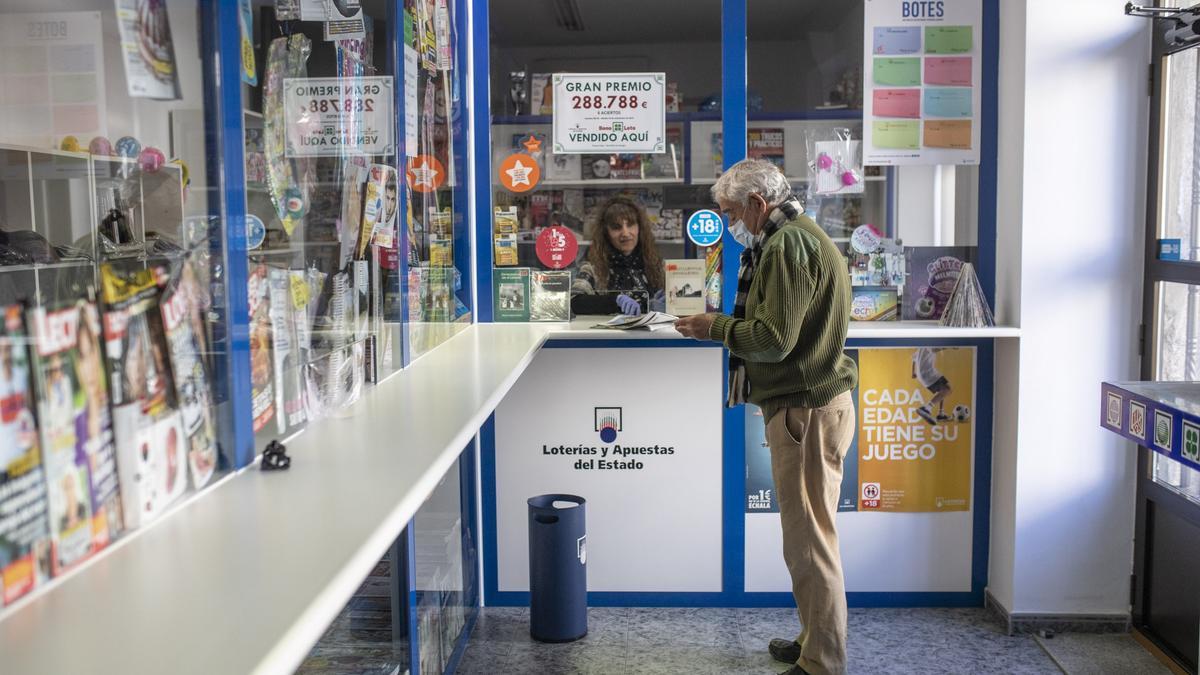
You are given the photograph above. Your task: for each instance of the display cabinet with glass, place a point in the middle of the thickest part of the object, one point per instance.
(111, 283)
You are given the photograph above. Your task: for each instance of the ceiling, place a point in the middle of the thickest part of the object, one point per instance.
(530, 23)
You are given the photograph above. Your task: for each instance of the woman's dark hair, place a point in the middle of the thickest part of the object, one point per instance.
(611, 212)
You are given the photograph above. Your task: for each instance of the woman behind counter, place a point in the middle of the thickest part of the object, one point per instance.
(622, 257)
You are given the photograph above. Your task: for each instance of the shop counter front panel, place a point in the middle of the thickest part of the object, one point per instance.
(637, 433)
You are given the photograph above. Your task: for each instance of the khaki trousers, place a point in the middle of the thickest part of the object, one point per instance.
(807, 449)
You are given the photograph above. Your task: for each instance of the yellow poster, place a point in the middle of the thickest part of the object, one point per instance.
(916, 428)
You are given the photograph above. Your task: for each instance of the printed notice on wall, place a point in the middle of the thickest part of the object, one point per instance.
(921, 81)
(56, 61)
(609, 112)
(336, 116)
(916, 428)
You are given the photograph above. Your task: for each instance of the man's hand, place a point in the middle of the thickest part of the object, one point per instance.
(696, 326)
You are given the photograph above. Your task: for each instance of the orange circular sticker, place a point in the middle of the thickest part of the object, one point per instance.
(519, 173)
(425, 173)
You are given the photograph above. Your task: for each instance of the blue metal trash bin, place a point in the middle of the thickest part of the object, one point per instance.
(557, 568)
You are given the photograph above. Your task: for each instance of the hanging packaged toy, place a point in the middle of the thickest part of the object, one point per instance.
(835, 161)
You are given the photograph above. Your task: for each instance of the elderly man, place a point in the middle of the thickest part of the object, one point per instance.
(786, 342)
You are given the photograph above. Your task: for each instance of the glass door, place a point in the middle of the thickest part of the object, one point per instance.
(1166, 598)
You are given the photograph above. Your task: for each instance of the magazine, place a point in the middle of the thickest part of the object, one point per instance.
(76, 434)
(649, 321)
(511, 301)
(262, 379)
(760, 144)
(151, 448)
(873, 303)
(182, 319)
(685, 286)
(289, 401)
(550, 296)
(24, 516)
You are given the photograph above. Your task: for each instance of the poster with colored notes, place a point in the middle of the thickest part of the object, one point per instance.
(922, 82)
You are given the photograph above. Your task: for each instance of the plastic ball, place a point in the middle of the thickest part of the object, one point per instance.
(151, 159)
(69, 143)
(100, 146)
(848, 178)
(128, 147)
(824, 162)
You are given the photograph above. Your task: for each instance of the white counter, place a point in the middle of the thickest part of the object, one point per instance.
(246, 577)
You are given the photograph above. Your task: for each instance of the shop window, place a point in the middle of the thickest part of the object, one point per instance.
(806, 91)
(112, 346)
(572, 189)
(1179, 184)
(357, 240)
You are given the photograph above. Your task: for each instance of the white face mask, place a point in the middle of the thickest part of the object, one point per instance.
(741, 234)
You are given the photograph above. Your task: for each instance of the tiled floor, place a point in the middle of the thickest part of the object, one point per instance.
(733, 641)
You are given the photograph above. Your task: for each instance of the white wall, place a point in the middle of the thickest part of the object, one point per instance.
(1072, 211)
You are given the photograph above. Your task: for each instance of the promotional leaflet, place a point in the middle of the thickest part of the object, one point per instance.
(330, 116)
(184, 323)
(921, 83)
(511, 301)
(685, 286)
(916, 433)
(76, 433)
(262, 379)
(47, 48)
(550, 296)
(609, 112)
(151, 447)
(24, 514)
(913, 447)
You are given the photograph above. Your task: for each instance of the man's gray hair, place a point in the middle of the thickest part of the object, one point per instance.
(751, 176)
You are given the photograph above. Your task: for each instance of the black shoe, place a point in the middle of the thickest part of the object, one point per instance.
(787, 651)
(795, 670)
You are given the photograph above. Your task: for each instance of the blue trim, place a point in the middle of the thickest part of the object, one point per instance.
(482, 140)
(469, 535)
(410, 574)
(989, 120)
(835, 114)
(487, 459)
(224, 136)
(734, 86)
(857, 599)
(617, 343)
(460, 647)
(461, 147)
(395, 18)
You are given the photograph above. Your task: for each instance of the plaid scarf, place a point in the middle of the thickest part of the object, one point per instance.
(739, 386)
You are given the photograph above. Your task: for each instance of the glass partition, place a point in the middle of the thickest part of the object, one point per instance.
(111, 280)
(806, 113)
(573, 192)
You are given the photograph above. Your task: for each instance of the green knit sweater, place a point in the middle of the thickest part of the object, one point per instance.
(793, 338)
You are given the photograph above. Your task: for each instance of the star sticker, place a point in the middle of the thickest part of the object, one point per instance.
(532, 144)
(519, 174)
(424, 174)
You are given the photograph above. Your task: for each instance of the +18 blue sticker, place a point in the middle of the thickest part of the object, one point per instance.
(705, 227)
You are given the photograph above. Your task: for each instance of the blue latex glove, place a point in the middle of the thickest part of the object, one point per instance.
(628, 306)
(659, 302)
